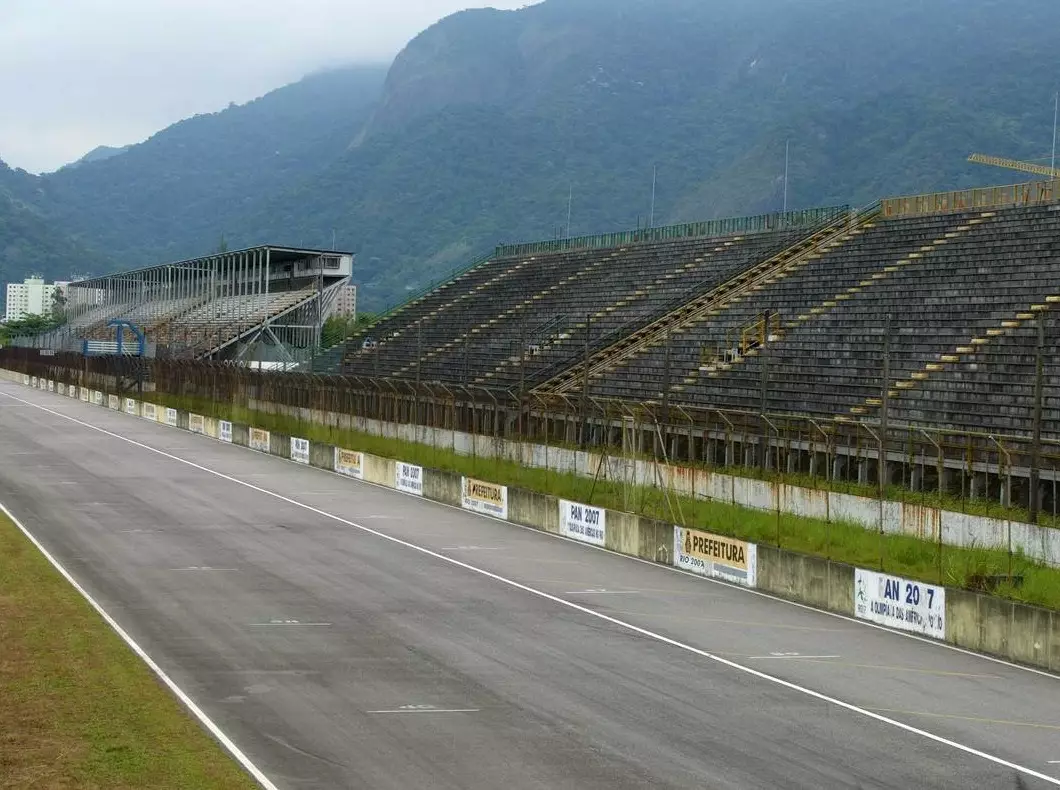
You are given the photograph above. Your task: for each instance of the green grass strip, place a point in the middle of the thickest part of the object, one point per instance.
(78, 709)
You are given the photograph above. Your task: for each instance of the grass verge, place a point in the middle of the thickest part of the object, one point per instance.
(78, 709)
(850, 543)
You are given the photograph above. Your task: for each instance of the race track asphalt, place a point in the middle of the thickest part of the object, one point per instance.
(348, 636)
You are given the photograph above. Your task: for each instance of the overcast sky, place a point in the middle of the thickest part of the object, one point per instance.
(75, 74)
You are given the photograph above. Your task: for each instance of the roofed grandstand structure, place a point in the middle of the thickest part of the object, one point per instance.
(261, 303)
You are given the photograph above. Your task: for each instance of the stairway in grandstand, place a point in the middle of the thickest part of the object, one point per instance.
(766, 270)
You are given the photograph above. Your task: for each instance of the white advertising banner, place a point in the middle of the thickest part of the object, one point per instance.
(583, 522)
(130, 406)
(60, 388)
(171, 418)
(113, 402)
(150, 412)
(97, 397)
(408, 478)
(196, 423)
(716, 556)
(25, 380)
(71, 391)
(349, 463)
(224, 431)
(51, 386)
(258, 440)
(84, 393)
(481, 497)
(900, 603)
(299, 450)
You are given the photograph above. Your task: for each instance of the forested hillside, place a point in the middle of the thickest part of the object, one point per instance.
(488, 120)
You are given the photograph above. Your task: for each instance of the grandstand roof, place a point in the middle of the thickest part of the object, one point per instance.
(277, 254)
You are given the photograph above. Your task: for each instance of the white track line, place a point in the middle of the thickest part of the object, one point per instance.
(196, 711)
(561, 602)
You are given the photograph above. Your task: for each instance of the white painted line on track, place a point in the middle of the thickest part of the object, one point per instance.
(427, 710)
(561, 602)
(196, 711)
(790, 656)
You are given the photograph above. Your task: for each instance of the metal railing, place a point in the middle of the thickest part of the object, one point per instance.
(760, 223)
(1033, 193)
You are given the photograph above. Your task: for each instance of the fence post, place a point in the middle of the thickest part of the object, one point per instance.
(1036, 425)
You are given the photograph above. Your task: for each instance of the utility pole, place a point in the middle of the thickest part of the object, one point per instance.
(654, 177)
(1056, 112)
(667, 374)
(786, 149)
(570, 202)
(1036, 424)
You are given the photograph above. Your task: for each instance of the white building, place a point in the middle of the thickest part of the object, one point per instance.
(33, 296)
(346, 302)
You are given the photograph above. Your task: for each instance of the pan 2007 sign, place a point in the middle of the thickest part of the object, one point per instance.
(900, 603)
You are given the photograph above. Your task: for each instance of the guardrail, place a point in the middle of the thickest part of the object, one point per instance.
(1032, 193)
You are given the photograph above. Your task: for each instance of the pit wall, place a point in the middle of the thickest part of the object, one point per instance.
(922, 521)
(1007, 629)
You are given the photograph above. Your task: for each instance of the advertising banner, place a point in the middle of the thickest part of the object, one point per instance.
(60, 388)
(150, 412)
(25, 381)
(130, 406)
(582, 522)
(51, 386)
(224, 431)
(299, 450)
(259, 440)
(196, 423)
(84, 394)
(97, 397)
(171, 418)
(408, 478)
(716, 556)
(482, 497)
(349, 463)
(71, 391)
(113, 402)
(900, 603)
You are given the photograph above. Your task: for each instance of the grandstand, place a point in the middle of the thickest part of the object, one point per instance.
(785, 314)
(263, 303)
(907, 329)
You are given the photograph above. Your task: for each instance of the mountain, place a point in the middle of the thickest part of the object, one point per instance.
(489, 122)
(30, 243)
(99, 153)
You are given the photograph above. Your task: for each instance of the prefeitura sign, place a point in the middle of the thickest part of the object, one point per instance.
(716, 556)
(482, 497)
(583, 522)
(900, 603)
(349, 463)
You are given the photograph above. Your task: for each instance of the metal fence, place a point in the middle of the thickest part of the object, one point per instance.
(965, 471)
(717, 227)
(1032, 193)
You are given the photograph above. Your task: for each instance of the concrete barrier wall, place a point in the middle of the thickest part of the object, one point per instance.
(987, 624)
(810, 580)
(958, 529)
